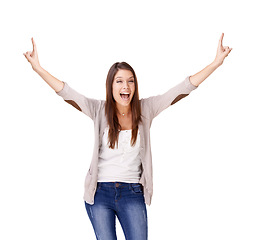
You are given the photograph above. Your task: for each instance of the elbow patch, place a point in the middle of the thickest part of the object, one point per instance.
(179, 97)
(74, 104)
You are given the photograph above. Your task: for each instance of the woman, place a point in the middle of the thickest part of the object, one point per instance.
(119, 181)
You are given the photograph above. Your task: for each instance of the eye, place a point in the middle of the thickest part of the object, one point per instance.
(131, 81)
(118, 81)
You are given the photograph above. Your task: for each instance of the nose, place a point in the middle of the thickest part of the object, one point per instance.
(125, 85)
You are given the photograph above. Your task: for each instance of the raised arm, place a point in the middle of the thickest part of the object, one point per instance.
(32, 58)
(84, 104)
(222, 53)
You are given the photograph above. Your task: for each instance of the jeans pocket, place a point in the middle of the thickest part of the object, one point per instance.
(137, 188)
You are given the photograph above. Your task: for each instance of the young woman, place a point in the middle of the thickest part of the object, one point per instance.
(119, 180)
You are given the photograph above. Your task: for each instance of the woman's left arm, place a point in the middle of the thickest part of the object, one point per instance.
(222, 53)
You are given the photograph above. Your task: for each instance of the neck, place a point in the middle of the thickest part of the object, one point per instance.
(124, 110)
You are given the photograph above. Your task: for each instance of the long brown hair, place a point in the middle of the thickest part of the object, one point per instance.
(111, 110)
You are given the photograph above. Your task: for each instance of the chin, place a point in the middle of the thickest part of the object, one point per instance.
(125, 104)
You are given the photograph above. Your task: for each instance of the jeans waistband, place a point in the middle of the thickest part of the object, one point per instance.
(117, 184)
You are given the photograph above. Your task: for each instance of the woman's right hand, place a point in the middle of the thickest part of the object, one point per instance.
(32, 57)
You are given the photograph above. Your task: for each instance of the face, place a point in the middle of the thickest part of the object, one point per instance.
(123, 87)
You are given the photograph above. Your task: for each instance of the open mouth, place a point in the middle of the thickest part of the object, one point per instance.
(125, 96)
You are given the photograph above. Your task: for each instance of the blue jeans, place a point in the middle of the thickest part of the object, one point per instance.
(124, 200)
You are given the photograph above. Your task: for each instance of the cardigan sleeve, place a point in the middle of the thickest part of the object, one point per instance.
(160, 102)
(84, 104)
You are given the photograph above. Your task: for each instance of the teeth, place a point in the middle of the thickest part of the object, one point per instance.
(125, 95)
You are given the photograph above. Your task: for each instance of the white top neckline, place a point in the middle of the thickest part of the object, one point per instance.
(125, 130)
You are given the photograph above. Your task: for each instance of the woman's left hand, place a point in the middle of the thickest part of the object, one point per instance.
(222, 52)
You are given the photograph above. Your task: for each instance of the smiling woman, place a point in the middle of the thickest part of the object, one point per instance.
(122, 102)
(123, 84)
(119, 181)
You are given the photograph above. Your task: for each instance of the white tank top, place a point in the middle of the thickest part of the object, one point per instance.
(122, 164)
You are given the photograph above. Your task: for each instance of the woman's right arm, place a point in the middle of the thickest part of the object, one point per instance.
(32, 58)
(88, 106)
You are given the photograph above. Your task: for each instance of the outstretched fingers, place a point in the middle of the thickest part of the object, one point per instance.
(221, 40)
(34, 45)
(32, 56)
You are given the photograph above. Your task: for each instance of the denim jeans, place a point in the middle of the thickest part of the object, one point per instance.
(124, 200)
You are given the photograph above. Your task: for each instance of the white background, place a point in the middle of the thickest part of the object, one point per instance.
(204, 147)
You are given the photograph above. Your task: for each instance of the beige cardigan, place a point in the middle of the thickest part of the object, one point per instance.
(150, 108)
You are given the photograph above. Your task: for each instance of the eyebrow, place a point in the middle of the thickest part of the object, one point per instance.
(122, 77)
